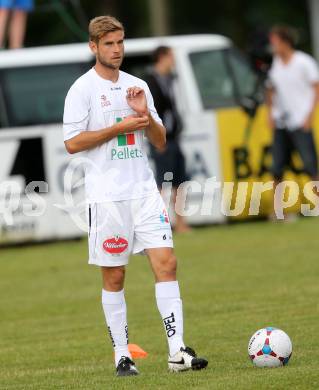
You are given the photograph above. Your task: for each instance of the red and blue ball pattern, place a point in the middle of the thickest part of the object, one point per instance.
(268, 354)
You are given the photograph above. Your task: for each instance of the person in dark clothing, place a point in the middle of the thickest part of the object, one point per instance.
(171, 159)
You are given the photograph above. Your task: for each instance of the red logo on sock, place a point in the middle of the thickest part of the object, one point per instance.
(115, 245)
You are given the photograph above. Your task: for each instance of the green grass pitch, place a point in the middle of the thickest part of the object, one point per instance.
(234, 280)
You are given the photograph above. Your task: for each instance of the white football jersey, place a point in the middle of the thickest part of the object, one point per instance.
(119, 168)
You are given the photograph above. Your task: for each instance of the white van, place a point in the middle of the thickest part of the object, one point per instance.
(213, 78)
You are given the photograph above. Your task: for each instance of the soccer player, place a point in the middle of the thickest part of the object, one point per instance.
(107, 113)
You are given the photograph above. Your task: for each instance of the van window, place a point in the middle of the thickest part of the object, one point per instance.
(29, 160)
(223, 77)
(137, 65)
(35, 95)
(245, 78)
(213, 78)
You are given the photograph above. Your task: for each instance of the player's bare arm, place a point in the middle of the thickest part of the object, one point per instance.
(90, 139)
(155, 132)
(269, 99)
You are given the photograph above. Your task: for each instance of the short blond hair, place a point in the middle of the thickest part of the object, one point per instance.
(102, 25)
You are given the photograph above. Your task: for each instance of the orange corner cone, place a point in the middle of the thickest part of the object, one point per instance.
(136, 351)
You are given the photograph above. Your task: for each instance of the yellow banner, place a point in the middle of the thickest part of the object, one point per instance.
(246, 158)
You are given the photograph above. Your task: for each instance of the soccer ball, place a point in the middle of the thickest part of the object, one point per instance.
(270, 347)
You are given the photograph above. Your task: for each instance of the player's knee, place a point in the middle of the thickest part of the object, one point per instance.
(168, 267)
(117, 277)
(172, 263)
(113, 278)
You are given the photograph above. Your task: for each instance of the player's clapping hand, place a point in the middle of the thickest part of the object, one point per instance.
(136, 99)
(132, 123)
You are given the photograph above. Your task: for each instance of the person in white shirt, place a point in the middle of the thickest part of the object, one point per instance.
(107, 114)
(292, 97)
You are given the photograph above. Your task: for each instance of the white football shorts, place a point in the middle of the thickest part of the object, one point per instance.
(118, 229)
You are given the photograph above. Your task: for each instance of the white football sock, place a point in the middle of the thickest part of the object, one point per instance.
(169, 305)
(114, 307)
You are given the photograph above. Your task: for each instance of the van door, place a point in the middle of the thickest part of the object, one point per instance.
(200, 144)
(32, 150)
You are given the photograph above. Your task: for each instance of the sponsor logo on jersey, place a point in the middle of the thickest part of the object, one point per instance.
(125, 153)
(124, 150)
(164, 216)
(104, 101)
(115, 245)
(126, 139)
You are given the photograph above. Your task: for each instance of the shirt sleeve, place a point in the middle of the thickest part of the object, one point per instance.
(312, 71)
(151, 106)
(76, 113)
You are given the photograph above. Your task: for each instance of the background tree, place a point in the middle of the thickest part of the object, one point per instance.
(64, 21)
